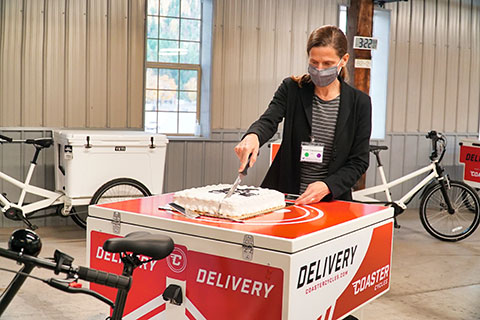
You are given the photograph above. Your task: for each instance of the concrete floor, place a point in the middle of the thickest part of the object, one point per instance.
(430, 279)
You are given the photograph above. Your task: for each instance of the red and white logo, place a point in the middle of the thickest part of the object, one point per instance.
(177, 260)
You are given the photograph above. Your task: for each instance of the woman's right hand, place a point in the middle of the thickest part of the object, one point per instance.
(249, 145)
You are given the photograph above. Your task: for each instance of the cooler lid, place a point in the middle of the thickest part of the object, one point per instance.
(107, 137)
(288, 230)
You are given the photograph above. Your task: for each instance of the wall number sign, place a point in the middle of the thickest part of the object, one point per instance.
(364, 43)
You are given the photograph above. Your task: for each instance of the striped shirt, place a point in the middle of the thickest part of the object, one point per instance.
(324, 122)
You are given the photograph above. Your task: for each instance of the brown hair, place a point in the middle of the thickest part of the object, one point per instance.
(326, 36)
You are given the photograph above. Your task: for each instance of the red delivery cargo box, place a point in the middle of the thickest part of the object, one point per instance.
(470, 157)
(319, 261)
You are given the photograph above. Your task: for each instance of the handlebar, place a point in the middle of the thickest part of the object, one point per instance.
(437, 138)
(92, 275)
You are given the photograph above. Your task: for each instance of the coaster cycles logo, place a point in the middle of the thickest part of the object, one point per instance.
(177, 260)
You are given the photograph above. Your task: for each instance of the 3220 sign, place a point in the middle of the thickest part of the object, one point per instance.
(364, 43)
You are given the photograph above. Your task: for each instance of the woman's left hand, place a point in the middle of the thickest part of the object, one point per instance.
(315, 192)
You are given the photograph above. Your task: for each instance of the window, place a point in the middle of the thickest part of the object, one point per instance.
(173, 66)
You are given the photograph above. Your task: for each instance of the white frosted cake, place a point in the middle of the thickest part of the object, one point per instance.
(245, 202)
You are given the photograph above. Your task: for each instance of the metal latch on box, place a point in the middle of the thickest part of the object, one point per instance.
(116, 222)
(247, 247)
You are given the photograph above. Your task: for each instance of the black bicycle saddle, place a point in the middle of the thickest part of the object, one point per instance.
(156, 246)
(375, 148)
(41, 142)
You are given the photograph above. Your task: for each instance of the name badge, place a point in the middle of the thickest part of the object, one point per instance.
(311, 153)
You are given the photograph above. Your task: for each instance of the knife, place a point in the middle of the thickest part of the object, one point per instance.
(241, 175)
(186, 212)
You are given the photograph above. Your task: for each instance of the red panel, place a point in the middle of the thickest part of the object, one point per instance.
(471, 157)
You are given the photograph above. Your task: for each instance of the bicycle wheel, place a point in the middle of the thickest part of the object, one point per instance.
(113, 191)
(79, 215)
(119, 190)
(450, 226)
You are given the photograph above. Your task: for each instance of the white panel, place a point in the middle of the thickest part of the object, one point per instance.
(97, 64)
(400, 87)
(466, 12)
(474, 97)
(465, 66)
(316, 11)
(463, 90)
(428, 66)
(414, 88)
(249, 57)
(391, 65)
(76, 64)
(401, 68)
(451, 96)
(232, 111)
(283, 42)
(300, 35)
(218, 58)
(32, 109)
(10, 77)
(117, 62)
(439, 79)
(136, 63)
(266, 80)
(54, 79)
(330, 12)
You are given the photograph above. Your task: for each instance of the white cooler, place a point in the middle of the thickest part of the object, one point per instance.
(319, 261)
(85, 160)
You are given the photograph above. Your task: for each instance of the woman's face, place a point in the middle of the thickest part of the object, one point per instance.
(326, 57)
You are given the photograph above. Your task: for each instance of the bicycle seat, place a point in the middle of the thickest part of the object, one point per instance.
(155, 246)
(375, 148)
(42, 142)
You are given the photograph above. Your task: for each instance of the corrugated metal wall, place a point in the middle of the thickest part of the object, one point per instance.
(72, 63)
(257, 43)
(434, 67)
(434, 71)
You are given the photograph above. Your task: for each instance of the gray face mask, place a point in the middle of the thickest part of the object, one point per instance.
(323, 77)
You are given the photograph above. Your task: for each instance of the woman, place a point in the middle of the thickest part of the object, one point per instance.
(327, 127)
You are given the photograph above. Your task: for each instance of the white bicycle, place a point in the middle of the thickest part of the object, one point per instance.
(449, 210)
(114, 190)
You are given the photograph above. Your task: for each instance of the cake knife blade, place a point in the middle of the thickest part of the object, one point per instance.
(241, 175)
(235, 184)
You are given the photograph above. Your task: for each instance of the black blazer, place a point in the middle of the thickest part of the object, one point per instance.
(350, 146)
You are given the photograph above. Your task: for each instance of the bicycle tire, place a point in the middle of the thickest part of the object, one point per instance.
(444, 226)
(80, 216)
(113, 191)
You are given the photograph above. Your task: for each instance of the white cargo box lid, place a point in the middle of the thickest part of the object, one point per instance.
(107, 137)
(470, 142)
(289, 230)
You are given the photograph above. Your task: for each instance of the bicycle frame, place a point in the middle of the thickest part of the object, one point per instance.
(51, 197)
(362, 195)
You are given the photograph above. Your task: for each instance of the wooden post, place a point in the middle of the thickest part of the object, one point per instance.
(359, 23)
